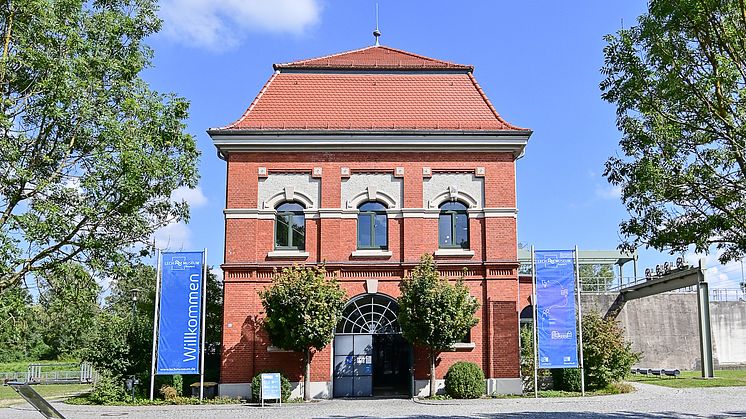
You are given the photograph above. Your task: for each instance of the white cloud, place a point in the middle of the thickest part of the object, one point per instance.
(194, 197)
(608, 191)
(175, 236)
(717, 274)
(222, 24)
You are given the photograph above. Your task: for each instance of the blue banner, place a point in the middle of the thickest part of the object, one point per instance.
(179, 327)
(555, 309)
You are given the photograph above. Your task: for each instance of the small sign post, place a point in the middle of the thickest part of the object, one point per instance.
(270, 389)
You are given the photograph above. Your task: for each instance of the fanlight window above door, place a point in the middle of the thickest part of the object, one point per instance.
(370, 314)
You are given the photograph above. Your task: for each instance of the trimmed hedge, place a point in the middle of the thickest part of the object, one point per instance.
(465, 380)
(256, 384)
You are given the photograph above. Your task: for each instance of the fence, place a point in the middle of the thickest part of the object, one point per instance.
(36, 374)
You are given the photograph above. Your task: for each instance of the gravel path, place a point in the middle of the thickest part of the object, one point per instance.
(648, 402)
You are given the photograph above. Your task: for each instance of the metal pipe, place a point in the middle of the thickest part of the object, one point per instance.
(703, 310)
(156, 316)
(580, 318)
(533, 303)
(204, 311)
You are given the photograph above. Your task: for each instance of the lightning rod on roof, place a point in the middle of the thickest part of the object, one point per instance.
(377, 33)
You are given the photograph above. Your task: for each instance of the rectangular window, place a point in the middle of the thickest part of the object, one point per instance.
(461, 228)
(444, 231)
(282, 238)
(380, 231)
(299, 232)
(363, 231)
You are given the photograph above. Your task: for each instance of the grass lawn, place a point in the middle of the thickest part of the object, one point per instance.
(8, 396)
(687, 379)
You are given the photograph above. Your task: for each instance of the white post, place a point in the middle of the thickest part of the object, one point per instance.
(204, 311)
(156, 317)
(535, 325)
(580, 319)
(518, 307)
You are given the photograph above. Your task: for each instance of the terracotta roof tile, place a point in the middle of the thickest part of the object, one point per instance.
(438, 99)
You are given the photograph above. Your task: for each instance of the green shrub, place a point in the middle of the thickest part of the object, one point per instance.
(465, 380)
(607, 355)
(107, 390)
(567, 379)
(256, 384)
(178, 384)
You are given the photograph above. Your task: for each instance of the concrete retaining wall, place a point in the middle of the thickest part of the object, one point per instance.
(664, 328)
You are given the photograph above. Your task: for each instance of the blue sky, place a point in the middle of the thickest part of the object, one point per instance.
(538, 62)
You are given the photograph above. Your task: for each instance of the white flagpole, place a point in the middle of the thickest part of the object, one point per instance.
(580, 319)
(536, 343)
(204, 311)
(156, 318)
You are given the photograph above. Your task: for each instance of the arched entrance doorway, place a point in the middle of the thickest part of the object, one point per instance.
(370, 356)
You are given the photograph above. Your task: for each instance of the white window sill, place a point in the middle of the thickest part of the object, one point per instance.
(271, 348)
(454, 252)
(371, 253)
(287, 254)
(463, 346)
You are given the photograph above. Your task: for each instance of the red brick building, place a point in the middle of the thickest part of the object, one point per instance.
(365, 160)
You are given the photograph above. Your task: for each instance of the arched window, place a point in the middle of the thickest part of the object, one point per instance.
(370, 314)
(290, 227)
(453, 226)
(372, 226)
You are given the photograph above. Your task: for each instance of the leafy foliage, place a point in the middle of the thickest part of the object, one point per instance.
(107, 390)
(566, 379)
(302, 308)
(90, 154)
(678, 79)
(527, 357)
(256, 384)
(21, 327)
(70, 305)
(607, 355)
(465, 380)
(595, 277)
(433, 312)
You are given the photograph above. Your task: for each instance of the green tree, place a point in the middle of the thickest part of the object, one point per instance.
(678, 80)
(595, 277)
(90, 154)
(70, 303)
(434, 313)
(21, 326)
(302, 307)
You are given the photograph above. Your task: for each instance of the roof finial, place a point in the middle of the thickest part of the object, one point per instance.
(377, 33)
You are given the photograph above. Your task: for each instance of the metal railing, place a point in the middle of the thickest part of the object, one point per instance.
(36, 374)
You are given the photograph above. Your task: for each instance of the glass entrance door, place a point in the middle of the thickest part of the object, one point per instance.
(353, 365)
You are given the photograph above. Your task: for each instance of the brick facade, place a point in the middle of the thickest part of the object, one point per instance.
(492, 271)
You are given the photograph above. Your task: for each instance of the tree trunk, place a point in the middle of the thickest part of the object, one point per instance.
(432, 373)
(307, 377)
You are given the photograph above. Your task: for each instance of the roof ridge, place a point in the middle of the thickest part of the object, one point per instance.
(489, 104)
(422, 57)
(323, 57)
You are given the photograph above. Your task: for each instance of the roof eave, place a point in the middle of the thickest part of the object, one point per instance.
(234, 140)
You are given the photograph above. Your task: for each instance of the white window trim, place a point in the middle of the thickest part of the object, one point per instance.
(371, 253)
(287, 254)
(454, 252)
